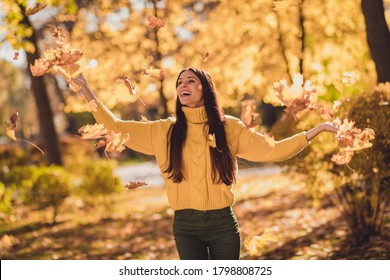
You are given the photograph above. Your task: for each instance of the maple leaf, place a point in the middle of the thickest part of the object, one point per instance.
(11, 125)
(16, 56)
(39, 68)
(153, 73)
(37, 7)
(135, 184)
(61, 35)
(353, 138)
(155, 22)
(326, 113)
(343, 157)
(95, 131)
(115, 142)
(248, 116)
(297, 97)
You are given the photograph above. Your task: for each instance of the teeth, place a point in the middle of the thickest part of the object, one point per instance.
(185, 93)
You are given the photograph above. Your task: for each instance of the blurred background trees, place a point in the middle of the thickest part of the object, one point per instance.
(245, 45)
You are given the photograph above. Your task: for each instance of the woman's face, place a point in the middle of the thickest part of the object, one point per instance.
(189, 89)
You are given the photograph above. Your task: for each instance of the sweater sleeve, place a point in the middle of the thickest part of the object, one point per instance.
(252, 145)
(145, 137)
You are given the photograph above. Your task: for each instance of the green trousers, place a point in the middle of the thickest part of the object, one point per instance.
(204, 235)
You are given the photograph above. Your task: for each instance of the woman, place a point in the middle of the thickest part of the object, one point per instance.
(197, 154)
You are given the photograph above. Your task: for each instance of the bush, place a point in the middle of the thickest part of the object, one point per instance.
(361, 188)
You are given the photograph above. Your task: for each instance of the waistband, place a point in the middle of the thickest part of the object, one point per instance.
(205, 212)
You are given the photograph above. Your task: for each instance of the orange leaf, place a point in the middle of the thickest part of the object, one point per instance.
(248, 116)
(10, 126)
(326, 113)
(95, 131)
(40, 67)
(206, 56)
(153, 73)
(16, 56)
(135, 184)
(37, 7)
(155, 22)
(115, 142)
(343, 157)
(61, 35)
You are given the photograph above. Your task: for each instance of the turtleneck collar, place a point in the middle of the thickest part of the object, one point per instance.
(195, 115)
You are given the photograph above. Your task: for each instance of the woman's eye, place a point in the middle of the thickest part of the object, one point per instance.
(191, 81)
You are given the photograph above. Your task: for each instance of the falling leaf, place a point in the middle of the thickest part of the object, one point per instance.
(336, 104)
(16, 56)
(206, 56)
(115, 142)
(155, 22)
(353, 138)
(297, 97)
(11, 125)
(211, 141)
(326, 113)
(39, 68)
(248, 115)
(135, 184)
(60, 34)
(127, 83)
(153, 73)
(95, 131)
(343, 157)
(270, 140)
(37, 7)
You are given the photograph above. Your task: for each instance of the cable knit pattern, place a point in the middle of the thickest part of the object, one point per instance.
(198, 191)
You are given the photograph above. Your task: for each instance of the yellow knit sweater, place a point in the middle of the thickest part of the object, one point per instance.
(198, 191)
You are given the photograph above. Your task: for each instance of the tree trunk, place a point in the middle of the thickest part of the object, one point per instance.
(302, 38)
(378, 37)
(48, 133)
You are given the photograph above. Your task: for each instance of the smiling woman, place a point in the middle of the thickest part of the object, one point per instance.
(197, 154)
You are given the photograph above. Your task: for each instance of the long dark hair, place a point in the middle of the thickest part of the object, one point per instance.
(223, 168)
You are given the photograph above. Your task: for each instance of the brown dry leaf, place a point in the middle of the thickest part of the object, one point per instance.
(16, 56)
(153, 73)
(270, 140)
(155, 22)
(352, 138)
(95, 131)
(326, 113)
(130, 86)
(343, 157)
(115, 142)
(39, 68)
(297, 97)
(248, 115)
(60, 34)
(135, 184)
(37, 7)
(11, 125)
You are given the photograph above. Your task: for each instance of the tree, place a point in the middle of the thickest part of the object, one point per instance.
(378, 37)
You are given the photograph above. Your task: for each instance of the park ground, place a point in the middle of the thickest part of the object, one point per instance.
(276, 217)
